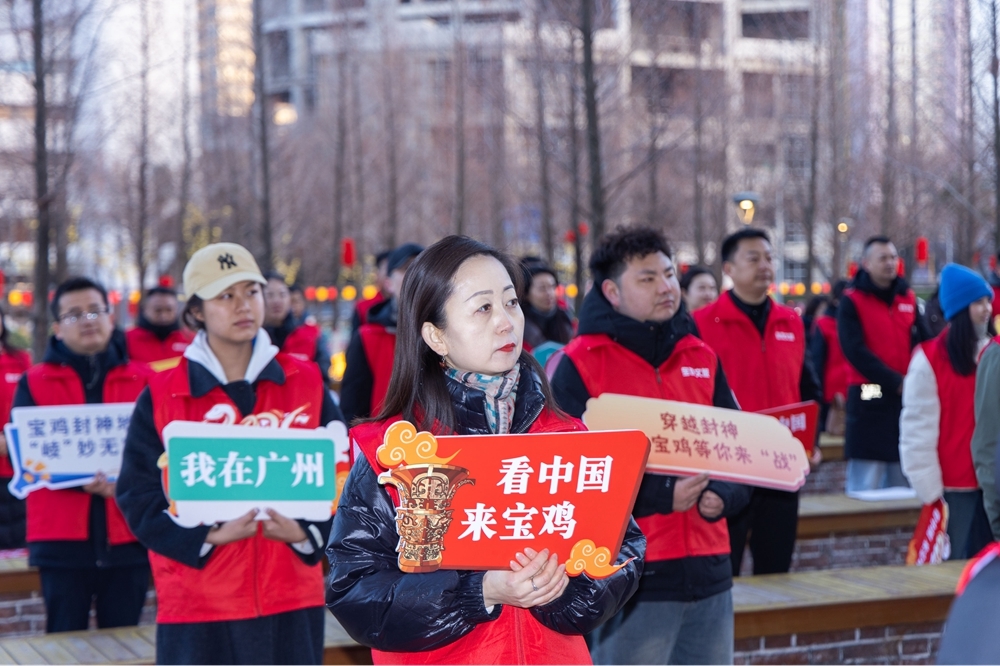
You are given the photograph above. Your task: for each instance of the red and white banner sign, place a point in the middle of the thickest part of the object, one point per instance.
(930, 543)
(801, 419)
(689, 439)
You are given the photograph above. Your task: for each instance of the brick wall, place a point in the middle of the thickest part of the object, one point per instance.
(845, 550)
(899, 644)
(24, 614)
(829, 478)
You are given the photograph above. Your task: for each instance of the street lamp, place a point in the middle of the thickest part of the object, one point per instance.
(746, 205)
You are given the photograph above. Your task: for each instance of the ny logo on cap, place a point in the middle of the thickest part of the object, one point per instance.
(226, 261)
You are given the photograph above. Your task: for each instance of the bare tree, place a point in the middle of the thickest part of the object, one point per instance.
(266, 235)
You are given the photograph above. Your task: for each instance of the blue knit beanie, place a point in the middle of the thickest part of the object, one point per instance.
(960, 288)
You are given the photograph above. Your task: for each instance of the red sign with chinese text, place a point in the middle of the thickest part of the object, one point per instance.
(688, 439)
(473, 502)
(801, 419)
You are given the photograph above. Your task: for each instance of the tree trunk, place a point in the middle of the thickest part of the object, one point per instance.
(574, 174)
(545, 186)
(42, 200)
(180, 253)
(142, 218)
(809, 219)
(967, 239)
(392, 195)
(699, 138)
(459, 58)
(888, 175)
(266, 234)
(996, 124)
(597, 215)
(339, 168)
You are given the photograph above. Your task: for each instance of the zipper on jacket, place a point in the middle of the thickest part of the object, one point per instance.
(529, 421)
(658, 379)
(518, 638)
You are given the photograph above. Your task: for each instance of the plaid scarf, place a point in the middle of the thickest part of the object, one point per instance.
(500, 390)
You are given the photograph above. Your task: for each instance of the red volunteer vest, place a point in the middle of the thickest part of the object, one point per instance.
(64, 515)
(363, 307)
(837, 367)
(688, 376)
(886, 329)
(996, 301)
(13, 364)
(144, 347)
(516, 637)
(958, 417)
(380, 350)
(256, 576)
(759, 379)
(301, 342)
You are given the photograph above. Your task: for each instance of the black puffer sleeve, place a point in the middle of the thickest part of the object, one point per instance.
(378, 604)
(588, 603)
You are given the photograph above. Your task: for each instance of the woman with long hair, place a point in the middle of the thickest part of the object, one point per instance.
(938, 416)
(460, 369)
(244, 591)
(13, 363)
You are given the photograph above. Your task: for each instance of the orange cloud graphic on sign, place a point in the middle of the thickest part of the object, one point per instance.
(587, 558)
(405, 446)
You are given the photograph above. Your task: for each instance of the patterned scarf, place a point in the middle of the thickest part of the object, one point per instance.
(500, 390)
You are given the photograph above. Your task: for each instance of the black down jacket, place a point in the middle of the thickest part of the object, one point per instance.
(388, 610)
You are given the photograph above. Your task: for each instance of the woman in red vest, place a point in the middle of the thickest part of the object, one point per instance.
(13, 363)
(460, 368)
(243, 591)
(938, 415)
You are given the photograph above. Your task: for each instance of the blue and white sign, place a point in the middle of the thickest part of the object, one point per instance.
(65, 446)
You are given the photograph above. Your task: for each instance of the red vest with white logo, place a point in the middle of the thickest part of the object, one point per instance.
(13, 364)
(956, 395)
(515, 637)
(688, 375)
(763, 371)
(64, 515)
(144, 347)
(251, 577)
(837, 367)
(363, 307)
(301, 342)
(886, 329)
(380, 350)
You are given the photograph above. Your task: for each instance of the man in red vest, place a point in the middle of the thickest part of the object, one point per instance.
(78, 539)
(302, 339)
(636, 338)
(362, 309)
(157, 337)
(762, 346)
(828, 358)
(372, 349)
(878, 325)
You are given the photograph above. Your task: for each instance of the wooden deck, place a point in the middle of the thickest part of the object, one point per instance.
(811, 601)
(822, 515)
(833, 447)
(17, 577)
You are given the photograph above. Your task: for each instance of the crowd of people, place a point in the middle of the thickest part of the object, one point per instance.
(462, 338)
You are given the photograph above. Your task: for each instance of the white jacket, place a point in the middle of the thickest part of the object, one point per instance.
(919, 427)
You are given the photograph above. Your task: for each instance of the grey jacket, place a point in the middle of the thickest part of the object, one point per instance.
(987, 433)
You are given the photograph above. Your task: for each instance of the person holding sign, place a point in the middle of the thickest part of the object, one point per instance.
(77, 537)
(636, 338)
(243, 591)
(762, 346)
(938, 417)
(461, 369)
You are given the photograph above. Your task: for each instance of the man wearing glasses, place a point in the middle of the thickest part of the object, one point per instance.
(78, 538)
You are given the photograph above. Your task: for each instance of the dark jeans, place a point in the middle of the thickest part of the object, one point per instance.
(772, 521)
(119, 594)
(968, 526)
(295, 637)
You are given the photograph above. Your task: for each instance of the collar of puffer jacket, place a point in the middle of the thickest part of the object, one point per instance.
(470, 404)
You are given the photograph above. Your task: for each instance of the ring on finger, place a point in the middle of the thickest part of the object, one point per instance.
(532, 581)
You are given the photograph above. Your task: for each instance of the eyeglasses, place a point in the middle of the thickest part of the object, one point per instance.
(73, 317)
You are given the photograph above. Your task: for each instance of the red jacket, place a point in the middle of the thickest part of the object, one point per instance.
(956, 395)
(64, 515)
(836, 369)
(760, 379)
(301, 342)
(688, 375)
(887, 329)
(516, 637)
(252, 577)
(13, 364)
(996, 300)
(380, 351)
(144, 347)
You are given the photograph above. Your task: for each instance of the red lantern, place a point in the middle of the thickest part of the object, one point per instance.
(901, 267)
(347, 251)
(852, 269)
(570, 236)
(584, 228)
(167, 281)
(922, 251)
